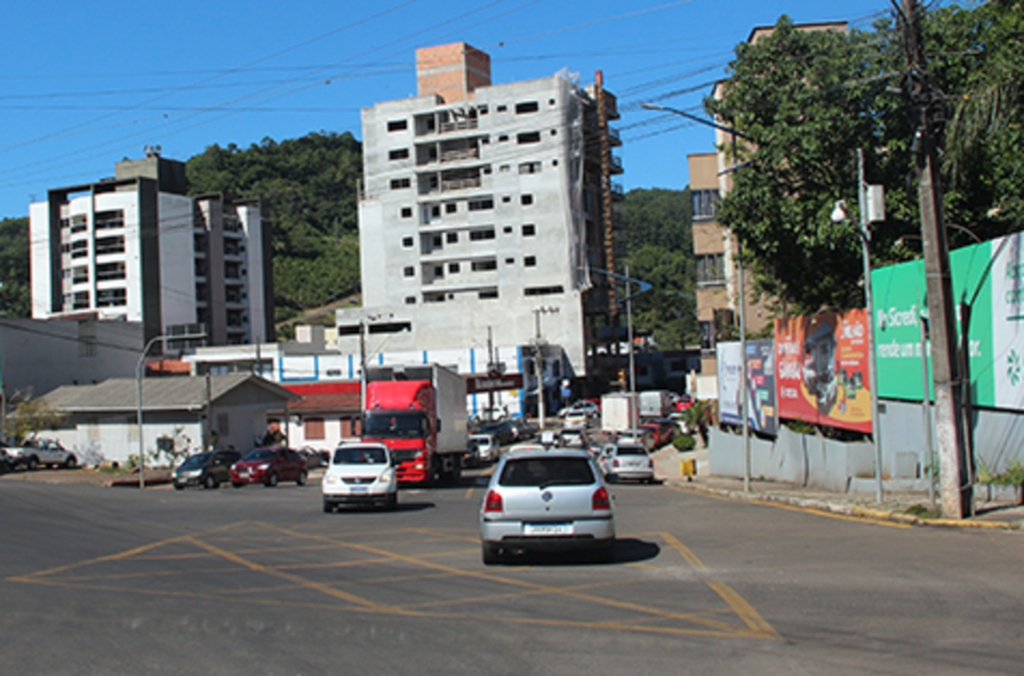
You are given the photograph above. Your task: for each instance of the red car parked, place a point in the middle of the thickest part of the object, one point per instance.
(268, 466)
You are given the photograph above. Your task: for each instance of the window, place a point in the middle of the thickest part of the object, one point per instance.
(507, 230)
(503, 137)
(551, 102)
(451, 208)
(543, 290)
(314, 428)
(554, 132)
(503, 168)
(109, 245)
(526, 107)
(482, 110)
(439, 271)
(530, 261)
(435, 211)
(528, 137)
(80, 274)
(506, 199)
(109, 219)
(410, 300)
(529, 230)
(487, 294)
(407, 242)
(409, 271)
(705, 202)
(406, 212)
(481, 205)
(502, 108)
(398, 125)
(452, 237)
(436, 241)
(453, 268)
(510, 261)
(554, 163)
(80, 249)
(108, 271)
(710, 268)
(478, 235)
(399, 183)
(398, 154)
(111, 297)
(489, 264)
(80, 300)
(526, 200)
(529, 168)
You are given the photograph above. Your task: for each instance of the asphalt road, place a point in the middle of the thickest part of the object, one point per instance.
(260, 581)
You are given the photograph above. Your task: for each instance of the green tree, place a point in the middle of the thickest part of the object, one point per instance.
(309, 187)
(659, 243)
(15, 294)
(33, 416)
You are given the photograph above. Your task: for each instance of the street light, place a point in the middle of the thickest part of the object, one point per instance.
(138, 395)
(839, 214)
(740, 281)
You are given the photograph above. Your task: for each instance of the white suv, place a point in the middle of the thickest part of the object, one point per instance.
(362, 474)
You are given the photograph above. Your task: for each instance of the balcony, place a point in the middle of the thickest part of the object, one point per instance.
(459, 154)
(460, 183)
(457, 125)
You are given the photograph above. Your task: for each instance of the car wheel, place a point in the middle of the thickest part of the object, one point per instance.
(328, 507)
(490, 554)
(209, 481)
(301, 481)
(236, 484)
(70, 463)
(33, 463)
(179, 487)
(272, 480)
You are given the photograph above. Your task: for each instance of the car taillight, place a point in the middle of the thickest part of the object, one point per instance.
(650, 462)
(615, 462)
(600, 499)
(494, 502)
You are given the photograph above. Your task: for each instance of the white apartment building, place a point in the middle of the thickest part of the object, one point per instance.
(137, 248)
(482, 209)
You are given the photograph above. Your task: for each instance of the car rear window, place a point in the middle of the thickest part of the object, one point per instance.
(631, 450)
(360, 456)
(546, 472)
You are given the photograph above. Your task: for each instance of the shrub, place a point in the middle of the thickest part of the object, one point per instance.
(684, 442)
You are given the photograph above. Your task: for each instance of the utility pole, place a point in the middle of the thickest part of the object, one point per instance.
(956, 492)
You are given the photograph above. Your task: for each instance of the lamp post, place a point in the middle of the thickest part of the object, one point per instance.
(138, 395)
(864, 231)
(740, 282)
(538, 364)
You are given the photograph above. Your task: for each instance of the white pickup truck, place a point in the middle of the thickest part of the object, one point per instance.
(41, 452)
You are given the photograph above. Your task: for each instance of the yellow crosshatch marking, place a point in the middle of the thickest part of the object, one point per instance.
(391, 572)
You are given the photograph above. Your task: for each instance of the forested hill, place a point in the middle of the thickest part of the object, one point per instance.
(309, 187)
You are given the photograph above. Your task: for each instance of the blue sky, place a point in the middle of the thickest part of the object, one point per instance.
(88, 84)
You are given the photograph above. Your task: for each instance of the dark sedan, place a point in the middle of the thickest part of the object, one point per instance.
(269, 466)
(209, 470)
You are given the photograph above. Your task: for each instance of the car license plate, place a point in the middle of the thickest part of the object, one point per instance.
(359, 489)
(547, 529)
(244, 475)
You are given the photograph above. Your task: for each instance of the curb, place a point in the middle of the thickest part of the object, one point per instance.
(842, 509)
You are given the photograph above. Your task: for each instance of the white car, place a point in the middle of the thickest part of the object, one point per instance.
(626, 461)
(485, 447)
(35, 453)
(360, 474)
(587, 408)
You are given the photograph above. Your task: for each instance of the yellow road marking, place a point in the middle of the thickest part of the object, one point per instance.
(743, 609)
(488, 472)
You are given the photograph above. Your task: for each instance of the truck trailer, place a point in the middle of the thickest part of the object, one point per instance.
(419, 413)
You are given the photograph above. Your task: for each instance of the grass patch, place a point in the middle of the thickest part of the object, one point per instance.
(922, 512)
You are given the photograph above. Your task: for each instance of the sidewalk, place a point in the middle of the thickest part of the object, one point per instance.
(904, 507)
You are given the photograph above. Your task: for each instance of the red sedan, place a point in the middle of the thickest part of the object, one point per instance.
(268, 466)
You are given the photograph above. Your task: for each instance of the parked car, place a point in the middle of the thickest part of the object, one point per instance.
(34, 453)
(360, 473)
(481, 448)
(546, 500)
(628, 461)
(6, 462)
(502, 432)
(662, 430)
(572, 438)
(575, 420)
(586, 407)
(269, 466)
(209, 469)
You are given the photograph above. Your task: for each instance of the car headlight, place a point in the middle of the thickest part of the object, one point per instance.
(331, 479)
(265, 465)
(386, 477)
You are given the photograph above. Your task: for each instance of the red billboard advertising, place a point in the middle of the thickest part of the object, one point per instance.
(822, 370)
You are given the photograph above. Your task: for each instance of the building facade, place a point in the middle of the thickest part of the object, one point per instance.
(483, 209)
(137, 248)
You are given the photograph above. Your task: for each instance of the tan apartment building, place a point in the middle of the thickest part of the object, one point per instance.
(716, 249)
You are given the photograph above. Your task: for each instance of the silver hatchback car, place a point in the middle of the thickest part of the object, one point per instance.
(547, 500)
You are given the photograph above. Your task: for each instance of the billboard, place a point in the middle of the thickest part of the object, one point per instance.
(986, 280)
(760, 390)
(822, 370)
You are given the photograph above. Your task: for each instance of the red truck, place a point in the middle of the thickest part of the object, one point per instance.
(419, 413)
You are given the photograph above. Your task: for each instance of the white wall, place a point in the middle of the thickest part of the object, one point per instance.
(177, 256)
